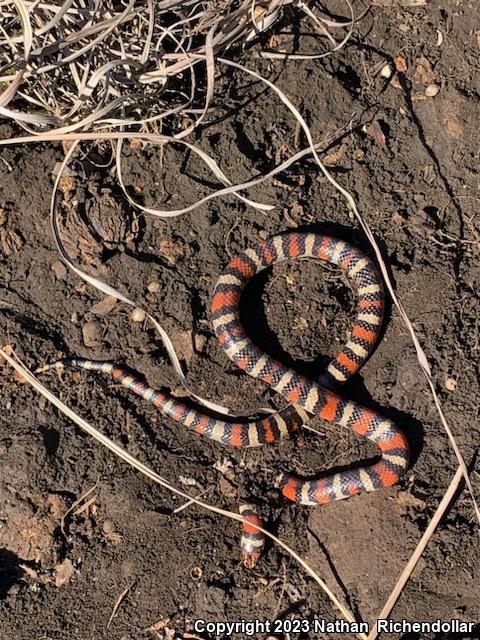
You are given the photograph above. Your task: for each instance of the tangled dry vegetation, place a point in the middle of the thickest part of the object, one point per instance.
(95, 65)
(102, 70)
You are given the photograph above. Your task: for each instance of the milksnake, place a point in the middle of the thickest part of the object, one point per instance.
(306, 397)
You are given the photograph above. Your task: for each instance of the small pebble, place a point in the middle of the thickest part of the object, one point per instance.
(432, 90)
(153, 287)
(135, 144)
(400, 64)
(59, 269)
(199, 342)
(104, 306)
(81, 287)
(450, 384)
(92, 334)
(196, 573)
(395, 82)
(138, 315)
(172, 250)
(386, 72)
(108, 526)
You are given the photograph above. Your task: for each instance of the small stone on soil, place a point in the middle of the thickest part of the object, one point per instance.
(153, 287)
(59, 269)
(138, 315)
(386, 71)
(432, 90)
(104, 306)
(10, 241)
(199, 342)
(400, 64)
(375, 131)
(63, 572)
(108, 526)
(171, 250)
(92, 334)
(450, 384)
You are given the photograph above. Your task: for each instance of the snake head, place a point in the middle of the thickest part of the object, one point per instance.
(250, 558)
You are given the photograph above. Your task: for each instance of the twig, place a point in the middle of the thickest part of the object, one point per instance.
(74, 505)
(410, 566)
(117, 604)
(155, 477)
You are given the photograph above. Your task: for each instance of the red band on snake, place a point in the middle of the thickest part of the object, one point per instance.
(252, 543)
(307, 397)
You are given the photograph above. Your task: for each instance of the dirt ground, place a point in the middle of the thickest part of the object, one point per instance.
(411, 161)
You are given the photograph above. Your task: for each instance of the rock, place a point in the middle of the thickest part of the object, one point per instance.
(400, 64)
(63, 572)
(92, 334)
(104, 306)
(135, 144)
(375, 131)
(172, 250)
(395, 82)
(18, 377)
(450, 384)
(424, 72)
(386, 71)
(10, 241)
(333, 158)
(138, 315)
(153, 287)
(60, 270)
(199, 342)
(183, 343)
(432, 90)
(108, 526)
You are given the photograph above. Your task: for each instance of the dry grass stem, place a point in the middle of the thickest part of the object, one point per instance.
(152, 475)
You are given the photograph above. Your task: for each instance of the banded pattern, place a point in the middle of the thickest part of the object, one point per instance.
(238, 434)
(307, 397)
(252, 542)
(312, 396)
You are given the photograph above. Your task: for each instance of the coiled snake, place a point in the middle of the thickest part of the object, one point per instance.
(306, 397)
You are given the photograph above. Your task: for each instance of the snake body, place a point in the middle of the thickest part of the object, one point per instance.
(306, 397)
(252, 542)
(309, 395)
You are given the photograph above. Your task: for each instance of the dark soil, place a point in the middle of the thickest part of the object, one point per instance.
(412, 164)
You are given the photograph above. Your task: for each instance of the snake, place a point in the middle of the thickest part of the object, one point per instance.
(306, 397)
